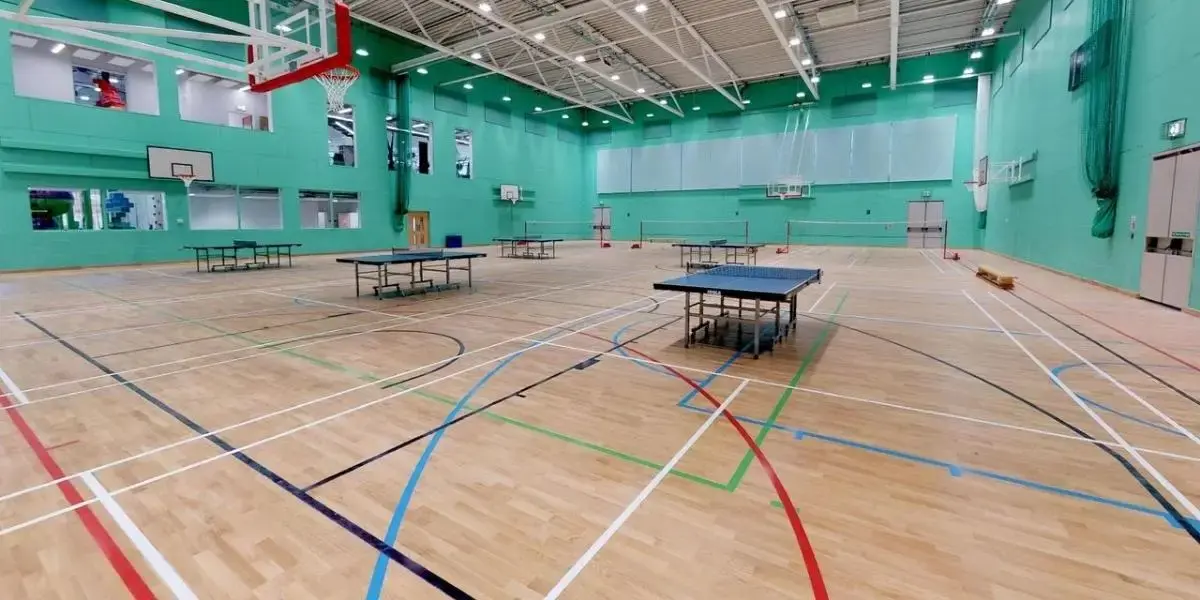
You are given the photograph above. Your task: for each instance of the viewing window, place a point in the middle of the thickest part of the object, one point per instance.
(52, 70)
(55, 209)
(463, 154)
(328, 210)
(341, 136)
(421, 157)
(231, 207)
(206, 98)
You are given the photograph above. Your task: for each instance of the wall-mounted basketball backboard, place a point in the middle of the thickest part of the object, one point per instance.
(179, 163)
(284, 41)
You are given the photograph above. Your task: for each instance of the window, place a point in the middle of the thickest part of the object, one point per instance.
(231, 207)
(328, 210)
(393, 136)
(463, 156)
(341, 136)
(205, 98)
(422, 147)
(52, 70)
(53, 209)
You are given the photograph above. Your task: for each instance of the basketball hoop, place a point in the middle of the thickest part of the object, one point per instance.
(337, 82)
(187, 182)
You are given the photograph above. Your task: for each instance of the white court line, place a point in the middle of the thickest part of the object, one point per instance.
(172, 276)
(908, 290)
(1154, 409)
(331, 304)
(301, 427)
(920, 323)
(1133, 452)
(638, 500)
(881, 403)
(853, 261)
(818, 302)
(321, 337)
(157, 561)
(932, 262)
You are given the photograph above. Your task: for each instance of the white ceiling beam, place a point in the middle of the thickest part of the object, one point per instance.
(769, 15)
(674, 54)
(152, 31)
(704, 45)
(895, 44)
(513, 76)
(24, 7)
(583, 66)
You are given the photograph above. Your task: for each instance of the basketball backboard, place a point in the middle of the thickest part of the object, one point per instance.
(179, 163)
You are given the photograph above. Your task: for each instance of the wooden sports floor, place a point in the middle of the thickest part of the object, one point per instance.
(267, 435)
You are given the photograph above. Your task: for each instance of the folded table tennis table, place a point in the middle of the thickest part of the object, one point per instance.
(699, 255)
(377, 269)
(231, 259)
(522, 246)
(773, 286)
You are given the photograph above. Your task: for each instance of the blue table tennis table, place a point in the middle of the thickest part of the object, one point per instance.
(377, 269)
(773, 286)
(696, 256)
(521, 246)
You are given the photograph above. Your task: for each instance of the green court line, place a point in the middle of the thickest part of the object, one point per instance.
(769, 424)
(368, 377)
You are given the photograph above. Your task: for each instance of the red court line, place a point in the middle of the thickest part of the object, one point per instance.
(120, 563)
(806, 548)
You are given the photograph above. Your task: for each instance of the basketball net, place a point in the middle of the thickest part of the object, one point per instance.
(187, 182)
(337, 82)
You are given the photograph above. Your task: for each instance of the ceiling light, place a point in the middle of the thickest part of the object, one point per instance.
(794, 41)
(506, 99)
(967, 72)
(476, 56)
(641, 90)
(59, 47)
(84, 98)
(1002, 2)
(976, 55)
(362, 52)
(179, 71)
(566, 116)
(816, 79)
(640, 8)
(806, 62)
(537, 109)
(866, 85)
(927, 79)
(121, 61)
(988, 31)
(649, 115)
(585, 123)
(468, 86)
(779, 14)
(539, 36)
(281, 28)
(695, 108)
(85, 54)
(580, 58)
(241, 108)
(244, 88)
(605, 122)
(662, 102)
(746, 101)
(422, 71)
(485, 7)
(614, 77)
(801, 94)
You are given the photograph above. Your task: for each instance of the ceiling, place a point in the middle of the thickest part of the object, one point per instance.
(601, 54)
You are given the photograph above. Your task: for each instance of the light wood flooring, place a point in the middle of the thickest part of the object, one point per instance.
(269, 436)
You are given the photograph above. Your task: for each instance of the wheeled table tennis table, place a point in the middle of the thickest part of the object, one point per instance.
(695, 256)
(231, 259)
(769, 286)
(522, 246)
(377, 270)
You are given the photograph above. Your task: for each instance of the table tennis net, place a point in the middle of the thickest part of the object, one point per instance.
(703, 232)
(867, 233)
(753, 272)
(566, 230)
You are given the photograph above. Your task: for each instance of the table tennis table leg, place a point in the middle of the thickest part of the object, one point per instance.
(469, 273)
(687, 319)
(756, 307)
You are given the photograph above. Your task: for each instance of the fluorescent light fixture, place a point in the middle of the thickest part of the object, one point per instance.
(816, 79)
(969, 71)
(580, 58)
(988, 31)
(779, 14)
(695, 108)
(85, 54)
(794, 41)
(641, 90)
(585, 123)
(566, 116)
(537, 109)
(605, 122)
(476, 56)
(806, 62)
(801, 95)
(507, 99)
(539, 36)
(59, 47)
(615, 77)
(649, 115)
(244, 88)
(662, 102)
(977, 54)
(362, 52)
(485, 7)
(866, 85)
(1002, 2)
(422, 71)
(283, 28)
(927, 79)
(121, 61)
(746, 101)
(640, 8)
(468, 86)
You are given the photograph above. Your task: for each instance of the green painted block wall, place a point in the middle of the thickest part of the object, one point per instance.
(768, 113)
(1048, 221)
(53, 144)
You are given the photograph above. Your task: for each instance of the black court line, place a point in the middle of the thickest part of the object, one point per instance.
(224, 335)
(517, 394)
(354, 529)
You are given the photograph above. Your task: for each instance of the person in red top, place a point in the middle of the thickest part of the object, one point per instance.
(109, 96)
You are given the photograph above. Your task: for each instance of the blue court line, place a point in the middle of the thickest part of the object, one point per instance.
(616, 339)
(1086, 400)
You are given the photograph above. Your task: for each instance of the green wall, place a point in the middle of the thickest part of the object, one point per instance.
(53, 144)
(1048, 221)
(768, 113)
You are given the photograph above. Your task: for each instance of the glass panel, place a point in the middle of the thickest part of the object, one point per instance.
(260, 208)
(463, 154)
(421, 158)
(314, 210)
(345, 211)
(134, 210)
(341, 136)
(62, 210)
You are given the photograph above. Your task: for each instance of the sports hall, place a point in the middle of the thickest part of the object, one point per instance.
(599, 299)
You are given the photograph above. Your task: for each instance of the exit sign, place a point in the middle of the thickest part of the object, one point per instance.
(1176, 129)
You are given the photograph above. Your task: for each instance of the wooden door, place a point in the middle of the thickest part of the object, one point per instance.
(418, 230)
